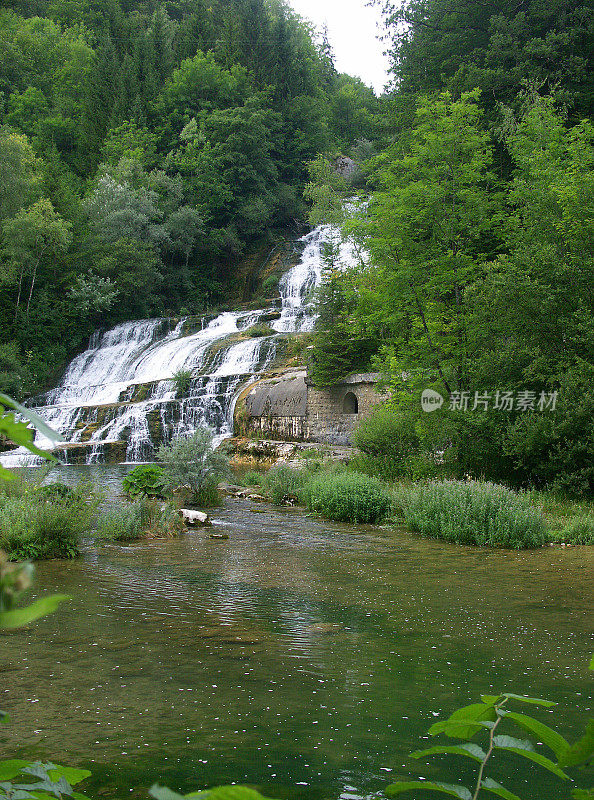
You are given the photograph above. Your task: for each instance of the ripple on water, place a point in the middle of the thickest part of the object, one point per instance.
(300, 656)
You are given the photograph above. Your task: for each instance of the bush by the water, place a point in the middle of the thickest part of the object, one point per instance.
(579, 530)
(283, 482)
(347, 497)
(253, 478)
(389, 437)
(192, 466)
(144, 480)
(141, 519)
(393, 447)
(46, 521)
(472, 512)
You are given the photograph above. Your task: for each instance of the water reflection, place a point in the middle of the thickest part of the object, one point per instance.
(299, 656)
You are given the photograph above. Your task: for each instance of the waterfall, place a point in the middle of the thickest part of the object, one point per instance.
(121, 391)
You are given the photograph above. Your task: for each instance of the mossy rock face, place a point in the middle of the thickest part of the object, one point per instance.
(111, 453)
(257, 330)
(270, 316)
(155, 426)
(196, 323)
(137, 393)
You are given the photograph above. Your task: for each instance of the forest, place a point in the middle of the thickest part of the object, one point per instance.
(145, 148)
(476, 231)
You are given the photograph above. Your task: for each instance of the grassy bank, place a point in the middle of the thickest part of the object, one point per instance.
(464, 512)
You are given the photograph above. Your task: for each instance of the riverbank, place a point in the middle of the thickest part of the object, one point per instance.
(565, 521)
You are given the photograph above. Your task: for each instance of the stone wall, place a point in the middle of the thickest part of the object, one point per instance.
(290, 408)
(333, 414)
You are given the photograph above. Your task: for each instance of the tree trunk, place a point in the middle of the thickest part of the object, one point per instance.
(429, 339)
(31, 289)
(18, 300)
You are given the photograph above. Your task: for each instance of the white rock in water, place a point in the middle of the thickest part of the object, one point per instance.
(192, 517)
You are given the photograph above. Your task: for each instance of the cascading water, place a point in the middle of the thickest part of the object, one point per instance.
(121, 391)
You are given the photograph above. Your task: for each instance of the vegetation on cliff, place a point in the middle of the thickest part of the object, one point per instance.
(147, 147)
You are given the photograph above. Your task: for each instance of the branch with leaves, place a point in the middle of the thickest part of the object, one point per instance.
(486, 718)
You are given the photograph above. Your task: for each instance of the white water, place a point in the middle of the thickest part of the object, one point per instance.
(95, 401)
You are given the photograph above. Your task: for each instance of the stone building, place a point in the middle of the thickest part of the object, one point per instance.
(290, 408)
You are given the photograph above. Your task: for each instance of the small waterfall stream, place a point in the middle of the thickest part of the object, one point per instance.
(120, 392)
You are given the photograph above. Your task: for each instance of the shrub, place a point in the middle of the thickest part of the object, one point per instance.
(48, 522)
(347, 497)
(282, 482)
(389, 438)
(270, 284)
(182, 380)
(578, 531)
(141, 519)
(253, 478)
(257, 330)
(473, 512)
(144, 480)
(193, 466)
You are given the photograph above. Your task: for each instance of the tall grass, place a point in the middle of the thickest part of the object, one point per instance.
(347, 497)
(472, 512)
(253, 478)
(43, 522)
(579, 530)
(144, 518)
(283, 482)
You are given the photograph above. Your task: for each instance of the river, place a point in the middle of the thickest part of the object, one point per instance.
(303, 657)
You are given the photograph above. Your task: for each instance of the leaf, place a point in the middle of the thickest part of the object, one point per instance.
(11, 768)
(164, 793)
(228, 793)
(430, 786)
(20, 433)
(583, 794)
(496, 788)
(40, 608)
(39, 423)
(505, 743)
(581, 751)
(71, 774)
(545, 734)
(465, 722)
(469, 750)
(491, 699)
(591, 663)
(534, 701)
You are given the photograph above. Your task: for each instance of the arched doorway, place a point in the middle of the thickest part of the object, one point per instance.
(350, 404)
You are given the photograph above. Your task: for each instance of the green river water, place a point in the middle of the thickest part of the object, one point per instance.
(302, 657)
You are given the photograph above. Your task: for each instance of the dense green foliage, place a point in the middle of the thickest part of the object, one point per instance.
(146, 479)
(473, 512)
(253, 478)
(38, 522)
(477, 244)
(347, 497)
(283, 483)
(192, 466)
(144, 149)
